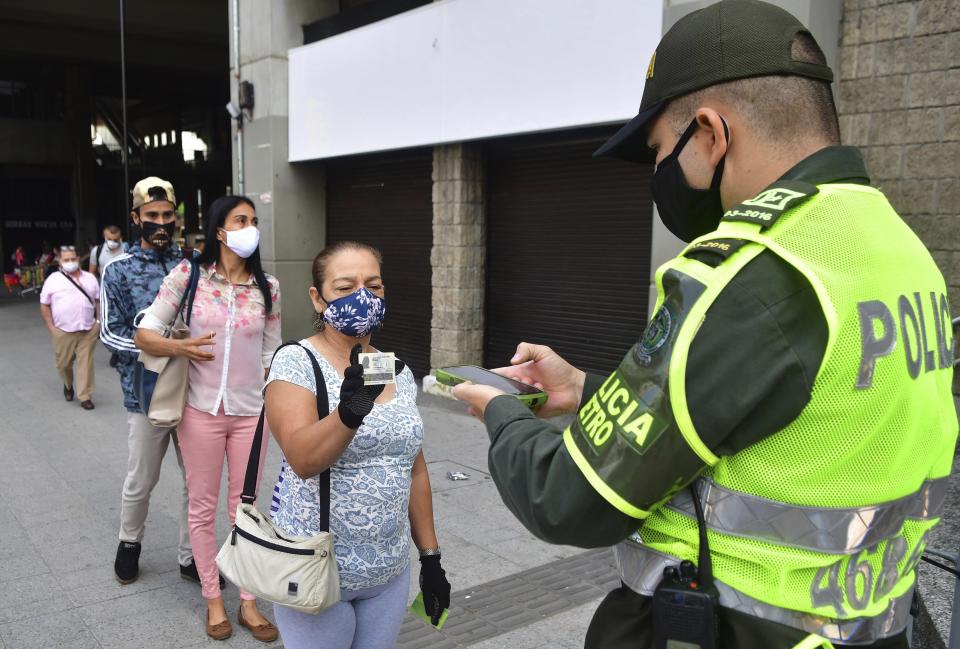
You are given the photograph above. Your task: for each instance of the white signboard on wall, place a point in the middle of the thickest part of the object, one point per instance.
(461, 70)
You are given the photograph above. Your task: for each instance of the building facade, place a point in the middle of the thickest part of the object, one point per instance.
(899, 102)
(456, 135)
(61, 115)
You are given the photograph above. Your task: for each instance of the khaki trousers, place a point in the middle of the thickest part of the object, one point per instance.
(147, 446)
(76, 346)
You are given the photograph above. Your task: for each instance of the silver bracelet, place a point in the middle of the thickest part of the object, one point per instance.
(430, 552)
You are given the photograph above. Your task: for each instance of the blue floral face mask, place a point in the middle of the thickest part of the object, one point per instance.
(357, 314)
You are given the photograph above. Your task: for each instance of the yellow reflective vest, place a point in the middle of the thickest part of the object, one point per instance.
(819, 526)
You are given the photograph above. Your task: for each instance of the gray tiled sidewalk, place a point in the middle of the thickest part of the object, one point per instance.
(61, 469)
(496, 608)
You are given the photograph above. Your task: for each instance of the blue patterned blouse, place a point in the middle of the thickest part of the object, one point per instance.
(369, 484)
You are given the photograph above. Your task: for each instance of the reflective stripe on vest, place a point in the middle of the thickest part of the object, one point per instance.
(835, 530)
(641, 569)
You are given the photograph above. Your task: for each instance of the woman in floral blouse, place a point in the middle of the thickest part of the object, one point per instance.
(371, 442)
(235, 328)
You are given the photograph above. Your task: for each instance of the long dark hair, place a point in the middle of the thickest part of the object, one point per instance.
(217, 216)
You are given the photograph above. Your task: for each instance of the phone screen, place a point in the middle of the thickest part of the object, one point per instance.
(486, 377)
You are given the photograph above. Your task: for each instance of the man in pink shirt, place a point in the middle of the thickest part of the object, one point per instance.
(68, 305)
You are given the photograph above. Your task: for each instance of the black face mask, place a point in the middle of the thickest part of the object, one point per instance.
(687, 212)
(150, 232)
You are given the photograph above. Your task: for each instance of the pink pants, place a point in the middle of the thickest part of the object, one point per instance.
(204, 441)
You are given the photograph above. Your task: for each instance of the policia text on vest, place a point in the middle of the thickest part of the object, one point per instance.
(880, 335)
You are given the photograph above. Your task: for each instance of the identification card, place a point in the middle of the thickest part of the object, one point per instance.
(378, 368)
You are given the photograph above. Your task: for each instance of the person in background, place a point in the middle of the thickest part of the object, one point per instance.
(68, 306)
(129, 285)
(235, 328)
(11, 277)
(45, 254)
(100, 255)
(372, 443)
(111, 248)
(49, 259)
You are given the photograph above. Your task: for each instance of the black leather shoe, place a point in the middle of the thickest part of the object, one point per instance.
(87, 405)
(127, 564)
(68, 393)
(189, 572)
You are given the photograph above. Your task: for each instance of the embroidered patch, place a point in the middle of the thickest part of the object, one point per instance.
(721, 247)
(657, 332)
(769, 205)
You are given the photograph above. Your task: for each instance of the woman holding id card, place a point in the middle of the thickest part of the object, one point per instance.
(371, 441)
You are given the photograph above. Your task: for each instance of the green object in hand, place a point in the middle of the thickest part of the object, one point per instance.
(528, 394)
(417, 609)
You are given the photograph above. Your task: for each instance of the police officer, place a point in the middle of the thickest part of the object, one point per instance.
(795, 374)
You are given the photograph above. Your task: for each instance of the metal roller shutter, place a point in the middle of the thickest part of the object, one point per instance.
(568, 250)
(386, 201)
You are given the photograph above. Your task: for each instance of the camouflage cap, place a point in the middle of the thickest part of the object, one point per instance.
(152, 189)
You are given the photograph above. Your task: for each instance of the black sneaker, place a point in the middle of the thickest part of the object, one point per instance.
(127, 565)
(189, 572)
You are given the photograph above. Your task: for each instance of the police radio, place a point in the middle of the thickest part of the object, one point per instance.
(685, 602)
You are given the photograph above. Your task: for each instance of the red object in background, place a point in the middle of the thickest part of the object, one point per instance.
(10, 280)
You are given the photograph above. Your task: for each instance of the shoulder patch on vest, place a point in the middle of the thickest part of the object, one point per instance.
(722, 248)
(769, 205)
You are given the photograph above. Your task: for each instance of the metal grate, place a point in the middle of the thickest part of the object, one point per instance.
(568, 250)
(386, 201)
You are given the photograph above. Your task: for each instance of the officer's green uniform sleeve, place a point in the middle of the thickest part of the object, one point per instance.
(591, 384)
(749, 373)
(541, 484)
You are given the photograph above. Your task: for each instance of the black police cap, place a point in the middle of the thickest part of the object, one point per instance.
(732, 39)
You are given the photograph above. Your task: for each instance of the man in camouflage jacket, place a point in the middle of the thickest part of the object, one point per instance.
(129, 285)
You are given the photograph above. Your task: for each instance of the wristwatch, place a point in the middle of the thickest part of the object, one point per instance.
(430, 552)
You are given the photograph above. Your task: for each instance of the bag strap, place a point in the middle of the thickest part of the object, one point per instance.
(189, 293)
(253, 462)
(80, 288)
(192, 289)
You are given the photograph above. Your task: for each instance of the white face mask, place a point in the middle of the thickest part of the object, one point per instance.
(112, 245)
(244, 241)
(70, 266)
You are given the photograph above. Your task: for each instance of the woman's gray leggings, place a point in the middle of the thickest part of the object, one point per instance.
(363, 619)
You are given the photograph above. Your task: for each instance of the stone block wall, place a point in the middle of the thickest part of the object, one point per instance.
(458, 255)
(899, 101)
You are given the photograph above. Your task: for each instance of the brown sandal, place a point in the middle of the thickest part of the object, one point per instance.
(263, 632)
(220, 630)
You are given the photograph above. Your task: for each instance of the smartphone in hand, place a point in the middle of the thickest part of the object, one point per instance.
(528, 394)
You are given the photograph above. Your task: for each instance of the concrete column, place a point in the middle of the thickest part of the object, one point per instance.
(458, 256)
(290, 200)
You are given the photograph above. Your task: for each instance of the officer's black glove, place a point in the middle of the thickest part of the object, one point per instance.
(435, 587)
(356, 399)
